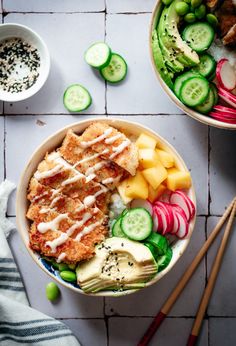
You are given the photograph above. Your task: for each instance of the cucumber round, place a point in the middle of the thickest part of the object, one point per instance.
(164, 260)
(159, 242)
(208, 104)
(215, 91)
(194, 91)
(207, 65)
(116, 229)
(76, 98)
(182, 78)
(98, 55)
(137, 224)
(116, 70)
(199, 36)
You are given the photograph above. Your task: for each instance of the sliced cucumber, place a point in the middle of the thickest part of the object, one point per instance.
(116, 229)
(215, 91)
(116, 70)
(182, 78)
(207, 65)
(76, 98)
(208, 104)
(159, 242)
(199, 36)
(194, 91)
(98, 55)
(152, 249)
(164, 260)
(137, 224)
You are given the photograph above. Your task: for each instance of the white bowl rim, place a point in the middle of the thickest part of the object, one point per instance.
(204, 119)
(21, 218)
(28, 93)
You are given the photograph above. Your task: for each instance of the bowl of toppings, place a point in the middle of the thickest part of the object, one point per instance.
(25, 62)
(192, 46)
(106, 207)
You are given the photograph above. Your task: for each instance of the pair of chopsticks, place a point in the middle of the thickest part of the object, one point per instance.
(231, 210)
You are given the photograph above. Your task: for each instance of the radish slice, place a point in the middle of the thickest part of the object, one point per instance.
(142, 203)
(225, 115)
(159, 219)
(155, 222)
(167, 216)
(183, 226)
(176, 223)
(219, 108)
(222, 118)
(181, 200)
(227, 97)
(189, 202)
(225, 74)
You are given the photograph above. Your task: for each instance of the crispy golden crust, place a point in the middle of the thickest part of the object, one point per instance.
(127, 159)
(71, 152)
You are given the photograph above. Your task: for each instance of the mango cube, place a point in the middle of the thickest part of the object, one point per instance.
(155, 175)
(148, 158)
(145, 141)
(178, 180)
(153, 195)
(122, 189)
(136, 187)
(166, 158)
(172, 170)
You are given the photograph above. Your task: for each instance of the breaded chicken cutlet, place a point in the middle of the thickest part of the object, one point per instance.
(71, 189)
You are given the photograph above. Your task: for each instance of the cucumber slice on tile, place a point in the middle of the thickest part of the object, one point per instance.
(76, 98)
(116, 70)
(98, 55)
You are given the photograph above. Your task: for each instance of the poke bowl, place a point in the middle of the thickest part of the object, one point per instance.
(106, 207)
(192, 48)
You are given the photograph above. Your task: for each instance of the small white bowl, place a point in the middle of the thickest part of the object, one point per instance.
(55, 141)
(26, 34)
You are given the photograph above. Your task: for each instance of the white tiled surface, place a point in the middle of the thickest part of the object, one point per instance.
(210, 154)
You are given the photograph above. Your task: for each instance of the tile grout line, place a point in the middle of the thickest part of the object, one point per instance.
(93, 114)
(206, 222)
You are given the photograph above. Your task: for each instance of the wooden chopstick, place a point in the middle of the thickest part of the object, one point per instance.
(211, 281)
(158, 319)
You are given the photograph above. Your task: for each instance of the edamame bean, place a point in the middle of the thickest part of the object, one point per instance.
(190, 17)
(68, 275)
(167, 2)
(200, 11)
(63, 266)
(212, 20)
(182, 8)
(52, 291)
(188, 1)
(196, 3)
(72, 266)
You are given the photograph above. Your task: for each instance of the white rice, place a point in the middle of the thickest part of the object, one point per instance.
(218, 51)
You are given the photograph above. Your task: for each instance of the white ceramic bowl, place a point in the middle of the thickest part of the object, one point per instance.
(21, 31)
(53, 142)
(198, 116)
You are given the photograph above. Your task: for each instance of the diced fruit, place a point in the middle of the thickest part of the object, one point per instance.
(166, 158)
(137, 187)
(155, 175)
(145, 141)
(154, 194)
(178, 180)
(148, 158)
(172, 170)
(122, 190)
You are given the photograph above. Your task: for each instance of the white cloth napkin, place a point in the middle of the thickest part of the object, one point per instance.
(19, 323)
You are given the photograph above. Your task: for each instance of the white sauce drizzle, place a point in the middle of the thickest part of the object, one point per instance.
(53, 244)
(87, 144)
(72, 179)
(51, 225)
(44, 210)
(87, 230)
(90, 177)
(35, 198)
(80, 208)
(120, 148)
(61, 257)
(89, 158)
(113, 138)
(78, 224)
(111, 180)
(50, 173)
(91, 199)
(96, 167)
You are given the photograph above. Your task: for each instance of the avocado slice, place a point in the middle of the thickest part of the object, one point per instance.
(169, 54)
(159, 61)
(118, 264)
(171, 39)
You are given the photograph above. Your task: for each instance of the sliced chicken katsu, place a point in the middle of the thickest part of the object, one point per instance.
(90, 163)
(111, 144)
(57, 174)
